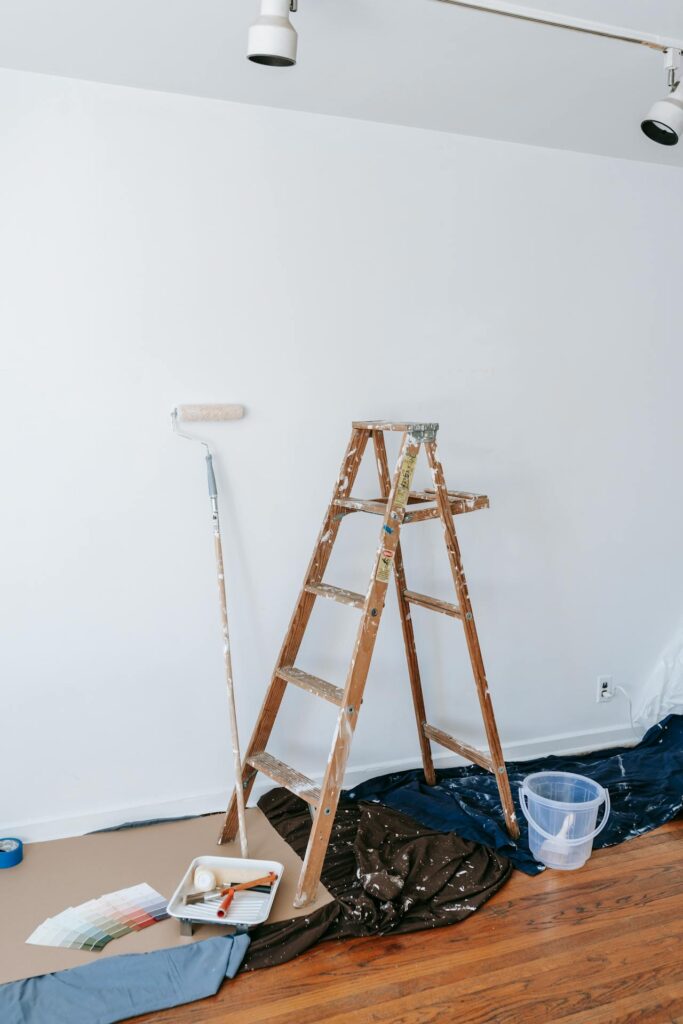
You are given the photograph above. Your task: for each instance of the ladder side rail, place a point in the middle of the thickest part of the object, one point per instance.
(406, 621)
(297, 625)
(357, 674)
(472, 639)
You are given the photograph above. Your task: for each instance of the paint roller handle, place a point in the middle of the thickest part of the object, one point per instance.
(269, 879)
(211, 477)
(225, 903)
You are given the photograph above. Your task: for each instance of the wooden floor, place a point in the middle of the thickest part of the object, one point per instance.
(602, 945)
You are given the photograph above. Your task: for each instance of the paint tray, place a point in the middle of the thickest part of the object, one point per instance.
(247, 908)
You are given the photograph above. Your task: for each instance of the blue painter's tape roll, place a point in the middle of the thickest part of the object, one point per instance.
(11, 852)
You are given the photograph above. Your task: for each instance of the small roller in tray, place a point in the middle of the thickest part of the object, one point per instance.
(247, 908)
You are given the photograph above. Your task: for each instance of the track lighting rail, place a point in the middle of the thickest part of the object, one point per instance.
(592, 28)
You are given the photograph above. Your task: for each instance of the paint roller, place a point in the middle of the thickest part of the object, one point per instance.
(217, 414)
(208, 413)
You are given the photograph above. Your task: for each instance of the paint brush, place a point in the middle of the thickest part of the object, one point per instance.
(205, 897)
(269, 879)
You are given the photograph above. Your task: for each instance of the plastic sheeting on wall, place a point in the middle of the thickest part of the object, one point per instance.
(662, 695)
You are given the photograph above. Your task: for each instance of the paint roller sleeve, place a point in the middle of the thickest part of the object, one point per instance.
(209, 413)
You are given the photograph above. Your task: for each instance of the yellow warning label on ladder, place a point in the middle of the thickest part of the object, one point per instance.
(405, 481)
(384, 568)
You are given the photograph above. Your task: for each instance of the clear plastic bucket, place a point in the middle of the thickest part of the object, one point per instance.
(562, 809)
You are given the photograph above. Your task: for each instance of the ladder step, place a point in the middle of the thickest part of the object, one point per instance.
(459, 501)
(298, 784)
(470, 754)
(434, 603)
(321, 688)
(377, 506)
(335, 594)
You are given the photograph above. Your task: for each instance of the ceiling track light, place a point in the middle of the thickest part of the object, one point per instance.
(272, 38)
(664, 123)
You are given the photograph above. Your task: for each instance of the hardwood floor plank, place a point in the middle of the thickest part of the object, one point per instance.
(419, 985)
(597, 946)
(342, 970)
(636, 1009)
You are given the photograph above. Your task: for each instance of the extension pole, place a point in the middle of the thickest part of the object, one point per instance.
(206, 414)
(227, 656)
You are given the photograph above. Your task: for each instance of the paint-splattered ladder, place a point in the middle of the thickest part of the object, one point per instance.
(397, 507)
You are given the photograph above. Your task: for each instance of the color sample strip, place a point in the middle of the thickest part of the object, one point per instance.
(93, 924)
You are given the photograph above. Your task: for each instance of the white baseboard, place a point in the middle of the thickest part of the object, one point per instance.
(208, 803)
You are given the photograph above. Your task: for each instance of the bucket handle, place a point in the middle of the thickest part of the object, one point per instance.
(523, 797)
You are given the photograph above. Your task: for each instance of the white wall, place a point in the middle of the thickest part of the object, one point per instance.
(157, 249)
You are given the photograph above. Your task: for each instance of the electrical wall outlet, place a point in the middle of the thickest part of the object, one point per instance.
(605, 690)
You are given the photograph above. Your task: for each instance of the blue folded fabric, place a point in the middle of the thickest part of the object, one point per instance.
(645, 785)
(118, 987)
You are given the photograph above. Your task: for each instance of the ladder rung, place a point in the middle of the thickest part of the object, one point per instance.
(420, 497)
(321, 688)
(288, 777)
(470, 754)
(459, 501)
(377, 506)
(434, 603)
(335, 594)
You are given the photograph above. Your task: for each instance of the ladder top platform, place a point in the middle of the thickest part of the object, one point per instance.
(405, 426)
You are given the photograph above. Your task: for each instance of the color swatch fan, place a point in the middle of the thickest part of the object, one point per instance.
(92, 925)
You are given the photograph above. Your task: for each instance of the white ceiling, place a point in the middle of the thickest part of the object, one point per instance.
(410, 62)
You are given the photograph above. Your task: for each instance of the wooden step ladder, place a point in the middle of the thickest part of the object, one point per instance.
(397, 506)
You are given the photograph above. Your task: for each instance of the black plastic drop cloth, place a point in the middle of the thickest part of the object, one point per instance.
(386, 872)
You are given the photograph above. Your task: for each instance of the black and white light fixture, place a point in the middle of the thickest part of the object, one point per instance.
(273, 41)
(664, 123)
(272, 37)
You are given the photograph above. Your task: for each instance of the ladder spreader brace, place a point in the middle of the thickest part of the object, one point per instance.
(398, 505)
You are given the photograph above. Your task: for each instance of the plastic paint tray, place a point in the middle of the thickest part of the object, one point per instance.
(247, 908)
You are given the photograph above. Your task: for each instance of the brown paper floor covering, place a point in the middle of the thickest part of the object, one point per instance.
(65, 872)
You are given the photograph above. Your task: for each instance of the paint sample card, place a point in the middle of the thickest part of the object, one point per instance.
(92, 925)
